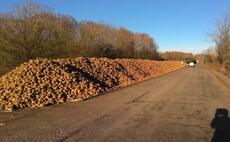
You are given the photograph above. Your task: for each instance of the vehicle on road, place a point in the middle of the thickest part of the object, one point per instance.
(191, 64)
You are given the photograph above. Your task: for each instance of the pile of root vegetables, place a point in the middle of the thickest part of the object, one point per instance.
(43, 82)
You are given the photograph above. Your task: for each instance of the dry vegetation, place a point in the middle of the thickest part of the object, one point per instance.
(43, 82)
(218, 67)
(32, 31)
(178, 56)
(220, 53)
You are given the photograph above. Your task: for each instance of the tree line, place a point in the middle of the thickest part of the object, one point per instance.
(32, 31)
(178, 56)
(220, 53)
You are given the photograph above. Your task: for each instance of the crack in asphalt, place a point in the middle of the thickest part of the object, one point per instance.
(139, 97)
(68, 136)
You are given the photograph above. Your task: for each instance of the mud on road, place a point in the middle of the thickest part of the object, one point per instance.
(176, 107)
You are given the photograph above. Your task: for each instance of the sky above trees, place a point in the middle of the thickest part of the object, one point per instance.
(174, 24)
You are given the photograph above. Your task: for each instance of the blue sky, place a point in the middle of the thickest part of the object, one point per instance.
(174, 24)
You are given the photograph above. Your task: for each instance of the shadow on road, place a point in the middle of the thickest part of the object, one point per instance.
(221, 124)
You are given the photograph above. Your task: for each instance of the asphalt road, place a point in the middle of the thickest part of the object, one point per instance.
(175, 107)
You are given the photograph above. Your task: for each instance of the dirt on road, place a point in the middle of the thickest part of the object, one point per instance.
(176, 107)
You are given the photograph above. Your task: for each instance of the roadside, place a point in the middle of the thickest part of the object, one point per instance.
(222, 75)
(218, 68)
(44, 82)
(175, 107)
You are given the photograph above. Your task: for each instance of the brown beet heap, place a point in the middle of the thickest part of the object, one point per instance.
(43, 82)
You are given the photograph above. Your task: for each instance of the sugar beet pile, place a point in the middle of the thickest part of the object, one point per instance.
(43, 82)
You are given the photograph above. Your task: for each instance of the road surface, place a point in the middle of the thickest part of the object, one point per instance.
(175, 107)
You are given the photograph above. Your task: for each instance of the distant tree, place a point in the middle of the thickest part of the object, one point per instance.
(96, 39)
(177, 56)
(209, 56)
(101, 40)
(125, 43)
(145, 46)
(221, 37)
(33, 31)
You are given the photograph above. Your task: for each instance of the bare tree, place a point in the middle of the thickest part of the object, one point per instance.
(145, 46)
(32, 31)
(222, 40)
(178, 56)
